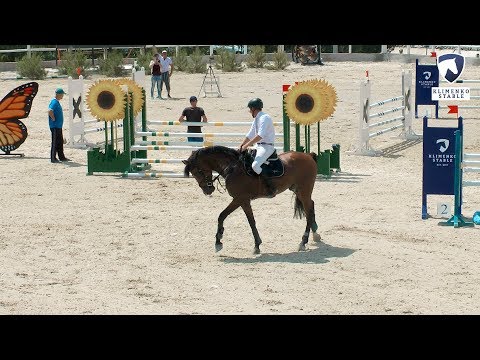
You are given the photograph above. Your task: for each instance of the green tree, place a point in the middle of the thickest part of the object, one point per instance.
(31, 67)
(72, 62)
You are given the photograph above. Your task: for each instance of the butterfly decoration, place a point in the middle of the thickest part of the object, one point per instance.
(14, 106)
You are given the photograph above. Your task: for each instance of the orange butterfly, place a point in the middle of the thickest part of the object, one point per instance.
(14, 106)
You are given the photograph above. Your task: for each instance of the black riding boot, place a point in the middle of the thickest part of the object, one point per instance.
(271, 191)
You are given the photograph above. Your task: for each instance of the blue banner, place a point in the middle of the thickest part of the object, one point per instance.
(426, 77)
(438, 160)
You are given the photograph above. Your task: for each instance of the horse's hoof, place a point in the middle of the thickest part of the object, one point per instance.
(218, 247)
(302, 247)
(317, 237)
(256, 250)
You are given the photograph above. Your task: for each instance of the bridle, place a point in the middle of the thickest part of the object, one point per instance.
(223, 173)
(208, 181)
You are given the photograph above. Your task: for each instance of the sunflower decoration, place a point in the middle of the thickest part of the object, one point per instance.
(106, 100)
(137, 92)
(310, 101)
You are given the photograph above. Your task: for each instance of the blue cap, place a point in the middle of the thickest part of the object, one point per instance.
(193, 98)
(60, 91)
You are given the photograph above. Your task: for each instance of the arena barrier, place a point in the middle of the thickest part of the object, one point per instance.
(403, 122)
(79, 125)
(464, 163)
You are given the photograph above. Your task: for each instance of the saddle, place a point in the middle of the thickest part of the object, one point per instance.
(272, 167)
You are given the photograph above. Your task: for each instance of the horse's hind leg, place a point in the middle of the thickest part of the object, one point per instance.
(308, 207)
(247, 208)
(221, 218)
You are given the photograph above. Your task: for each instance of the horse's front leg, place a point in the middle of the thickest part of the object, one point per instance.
(314, 226)
(221, 218)
(247, 208)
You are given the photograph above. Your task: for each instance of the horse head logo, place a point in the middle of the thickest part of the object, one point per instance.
(445, 145)
(428, 74)
(451, 66)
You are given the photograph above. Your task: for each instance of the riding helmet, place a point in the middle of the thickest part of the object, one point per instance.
(255, 103)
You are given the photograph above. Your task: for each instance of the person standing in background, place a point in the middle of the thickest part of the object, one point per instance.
(55, 121)
(193, 113)
(156, 75)
(166, 72)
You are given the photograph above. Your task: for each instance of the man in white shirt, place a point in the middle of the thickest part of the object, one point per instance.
(166, 70)
(262, 134)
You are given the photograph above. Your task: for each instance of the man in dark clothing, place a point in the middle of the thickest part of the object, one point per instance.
(55, 121)
(193, 113)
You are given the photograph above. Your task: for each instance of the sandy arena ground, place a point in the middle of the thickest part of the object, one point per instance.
(102, 244)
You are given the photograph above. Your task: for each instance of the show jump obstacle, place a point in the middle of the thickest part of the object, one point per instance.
(307, 103)
(132, 160)
(82, 128)
(444, 163)
(438, 158)
(79, 125)
(402, 122)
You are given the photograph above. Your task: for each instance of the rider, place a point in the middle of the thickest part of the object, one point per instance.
(262, 133)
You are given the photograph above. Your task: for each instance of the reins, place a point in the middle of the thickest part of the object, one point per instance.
(223, 173)
(227, 170)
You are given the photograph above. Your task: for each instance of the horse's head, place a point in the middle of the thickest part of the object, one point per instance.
(201, 173)
(203, 162)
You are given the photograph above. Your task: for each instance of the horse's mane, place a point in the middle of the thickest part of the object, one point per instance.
(213, 150)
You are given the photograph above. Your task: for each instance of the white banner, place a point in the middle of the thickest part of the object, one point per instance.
(450, 93)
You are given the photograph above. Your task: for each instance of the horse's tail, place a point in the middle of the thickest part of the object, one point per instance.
(299, 211)
(314, 156)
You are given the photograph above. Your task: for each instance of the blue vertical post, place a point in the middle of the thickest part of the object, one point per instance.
(457, 219)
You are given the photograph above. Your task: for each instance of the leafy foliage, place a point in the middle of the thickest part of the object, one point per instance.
(143, 60)
(226, 61)
(196, 65)
(280, 61)
(112, 66)
(257, 57)
(31, 67)
(181, 60)
(71, 61)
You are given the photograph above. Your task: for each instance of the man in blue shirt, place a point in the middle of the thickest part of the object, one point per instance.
(55, 121)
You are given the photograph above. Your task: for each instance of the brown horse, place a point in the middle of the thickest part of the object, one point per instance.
(300, 172)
